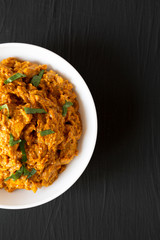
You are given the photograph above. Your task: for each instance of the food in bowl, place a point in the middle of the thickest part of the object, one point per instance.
(40, 125)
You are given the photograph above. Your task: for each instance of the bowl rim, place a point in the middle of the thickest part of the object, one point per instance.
(94, 137)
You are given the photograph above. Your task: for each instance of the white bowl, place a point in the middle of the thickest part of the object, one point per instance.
(21, 199)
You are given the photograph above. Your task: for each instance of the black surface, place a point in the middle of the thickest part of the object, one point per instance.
(115, 45)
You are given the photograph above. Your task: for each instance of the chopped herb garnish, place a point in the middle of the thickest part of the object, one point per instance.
(65, 106)
(26, 172)
(46, 132)
(24, 156)
(14, 77)
(5, 106)
(16, 175)
(37, 78)
(34, 110)
(33, 171)
(12, 142)
(29, 173)
(22, 171)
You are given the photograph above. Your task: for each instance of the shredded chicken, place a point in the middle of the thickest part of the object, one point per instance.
(49, 154)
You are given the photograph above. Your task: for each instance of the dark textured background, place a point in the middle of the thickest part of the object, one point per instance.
(115, 45)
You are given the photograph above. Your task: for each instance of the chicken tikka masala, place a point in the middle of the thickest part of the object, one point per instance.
(40, 125)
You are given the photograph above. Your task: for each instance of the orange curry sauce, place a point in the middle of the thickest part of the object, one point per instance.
(49, 154)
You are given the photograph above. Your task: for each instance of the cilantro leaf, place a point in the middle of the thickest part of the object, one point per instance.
(22, 171)
(46, 132)
(34, 110)
(29, 173)
(12, 142)
(26, 172)
(22, 148)
(16, 175)
(65, 106)
(14, 77)
(37, 78)
(5, 106)
(33, 171)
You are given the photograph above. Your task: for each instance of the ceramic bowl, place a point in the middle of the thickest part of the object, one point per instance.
(21, 199)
